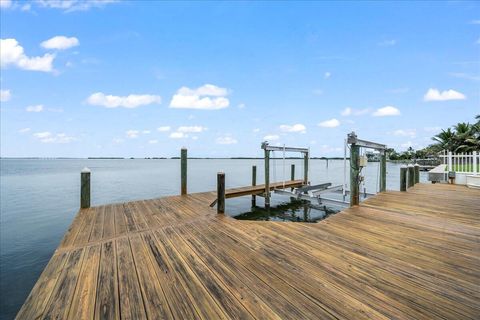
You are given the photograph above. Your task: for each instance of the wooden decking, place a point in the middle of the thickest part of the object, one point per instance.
(413, 255)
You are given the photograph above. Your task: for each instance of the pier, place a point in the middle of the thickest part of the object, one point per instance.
(413, 254)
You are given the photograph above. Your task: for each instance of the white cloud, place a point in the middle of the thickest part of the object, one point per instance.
(132, 134)
(225, 140)
(5, 95)
(435, 95)
(387, 43)
(327, 75)
(355, 112)
(177, 135)
(73, 5)
(60, 43)
(163, 128)
(241, 106)
(405, 133)
(386, 111)
(191, 129)
(271, 137)
(146, 131)
(48, 137)
(432, 129)
(293, 128)
(346, 112)
(206, 97)
(12, 54)
(332, 123)
(24, 130)
(130, 101)
(256, 130)
(152, 141)
(4, 4)
(475, 22)
(35, 108)
(117, 140)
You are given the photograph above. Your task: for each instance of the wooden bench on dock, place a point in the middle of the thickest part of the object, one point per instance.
(402, 255)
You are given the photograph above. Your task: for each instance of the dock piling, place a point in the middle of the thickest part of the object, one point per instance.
(383, 171)
(403, 178)
(354, 175)
(183, 165)
(411, 176)
(85, 188)
(221, 192)
(417, 173)
(254, 183)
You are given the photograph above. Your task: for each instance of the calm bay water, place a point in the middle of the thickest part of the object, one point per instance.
(39, 199)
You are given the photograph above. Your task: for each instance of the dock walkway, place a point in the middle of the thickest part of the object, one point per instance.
(410, 255)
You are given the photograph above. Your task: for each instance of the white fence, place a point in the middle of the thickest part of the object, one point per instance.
(461, 162)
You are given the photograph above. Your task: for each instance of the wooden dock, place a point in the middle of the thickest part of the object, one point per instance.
(409, 255)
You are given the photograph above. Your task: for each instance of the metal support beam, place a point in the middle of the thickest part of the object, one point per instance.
(305, 169)
(352, 139)
(267, 178)
(268, 147)
(254, 183)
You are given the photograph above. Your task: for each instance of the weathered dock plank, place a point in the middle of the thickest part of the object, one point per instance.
(413, 254)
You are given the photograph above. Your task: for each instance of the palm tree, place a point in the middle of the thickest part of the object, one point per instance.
(445, 139)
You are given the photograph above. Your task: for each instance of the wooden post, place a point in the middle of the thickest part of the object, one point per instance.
(416, 168)
(305, 167)
(220, 192)
(354, 175)
(411, 176)
(383, 171)
(267, 178)
(403, 178)
(85, 188)
(254, 183)
(183, 169)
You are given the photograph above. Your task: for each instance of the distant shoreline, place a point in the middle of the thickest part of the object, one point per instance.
(168, 158)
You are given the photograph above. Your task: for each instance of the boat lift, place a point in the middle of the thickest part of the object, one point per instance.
(307, 191)
(316, 193)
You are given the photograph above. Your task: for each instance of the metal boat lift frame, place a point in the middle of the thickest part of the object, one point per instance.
(267, 149)
(355, 145)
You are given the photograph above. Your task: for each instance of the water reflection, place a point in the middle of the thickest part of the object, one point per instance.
(295, 210)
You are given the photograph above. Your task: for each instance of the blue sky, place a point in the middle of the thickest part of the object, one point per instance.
(133, 78)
